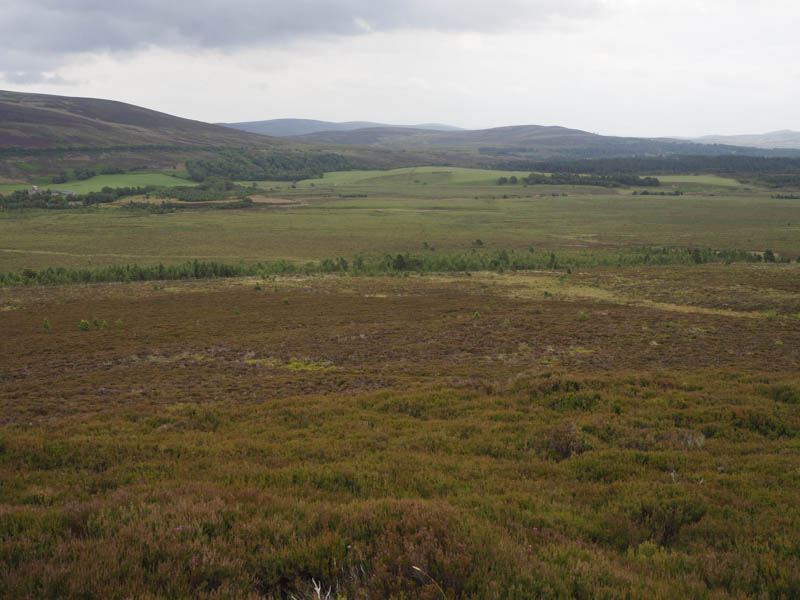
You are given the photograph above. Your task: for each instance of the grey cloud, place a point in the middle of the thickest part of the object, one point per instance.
(40, 35)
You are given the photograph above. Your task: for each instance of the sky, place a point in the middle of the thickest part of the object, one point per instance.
(615, 67)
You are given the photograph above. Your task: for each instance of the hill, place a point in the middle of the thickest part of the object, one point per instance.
(529, 142)
(45, 121)
(43, 135)
(774, 139)
(293, 127)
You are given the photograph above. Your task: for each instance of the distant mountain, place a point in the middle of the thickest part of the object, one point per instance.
(293, 127)
(774, 139)
(528, 142)
(45, 121)
(64, 132)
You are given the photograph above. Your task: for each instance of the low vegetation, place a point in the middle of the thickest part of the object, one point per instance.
(382, 264)
(372, 437)
(551, 390)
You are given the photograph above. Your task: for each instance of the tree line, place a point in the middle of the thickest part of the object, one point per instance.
(254, 165)
(613, 180)
(391, 264)
(48, 199)
(659, 165)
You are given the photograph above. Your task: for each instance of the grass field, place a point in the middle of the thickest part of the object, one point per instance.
(706, 180)
(97, 183)
(398, 211)
(618, 433)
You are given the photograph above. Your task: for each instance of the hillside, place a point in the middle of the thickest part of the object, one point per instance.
(42, 135)
(528, 141)
(292, 127)
(44, 121)
(774, 139)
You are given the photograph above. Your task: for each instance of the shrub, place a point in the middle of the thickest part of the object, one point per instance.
(784, 393)
(564, 441)
(574, 401)
(663, 518)
(83, 325)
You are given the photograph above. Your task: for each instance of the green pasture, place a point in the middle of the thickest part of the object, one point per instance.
(714, 180)
(394, 219)
(410, 176)
(416, 181)
(97, 183)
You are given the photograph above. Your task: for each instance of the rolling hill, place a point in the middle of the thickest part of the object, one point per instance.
(292, 127)
(41, 135)
(530, 142)
(45, 121)
(784, 138)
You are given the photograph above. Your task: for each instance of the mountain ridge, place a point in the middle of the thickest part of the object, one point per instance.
(295, 127)
(530, 141)
(782, 138)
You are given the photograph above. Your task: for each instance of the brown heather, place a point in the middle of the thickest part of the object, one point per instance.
(373, 438)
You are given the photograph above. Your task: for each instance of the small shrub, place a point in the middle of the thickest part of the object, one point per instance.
(96, 323)
(286, 301)
(663, 518)
(257, 287)
(83, 325)
(583, 316)
(45, 324)
(784, 393)
(564, 441)
(574, 401)
(236, 310)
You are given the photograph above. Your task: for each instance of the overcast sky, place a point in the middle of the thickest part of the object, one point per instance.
(617, 67)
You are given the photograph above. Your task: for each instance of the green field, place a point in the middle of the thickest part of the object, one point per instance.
(707, 180)
(97, 183)
(404, 210)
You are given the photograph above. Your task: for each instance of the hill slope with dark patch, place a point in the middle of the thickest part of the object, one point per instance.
(45, 121)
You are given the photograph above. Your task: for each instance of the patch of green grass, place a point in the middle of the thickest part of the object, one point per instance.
(704, 180)
(97, 183)
(395, 219)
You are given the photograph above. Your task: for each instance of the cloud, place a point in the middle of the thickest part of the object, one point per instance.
(39, 35)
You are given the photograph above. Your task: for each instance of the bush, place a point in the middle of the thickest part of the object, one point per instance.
(784, 393)
(663, 518)
(564, 441)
